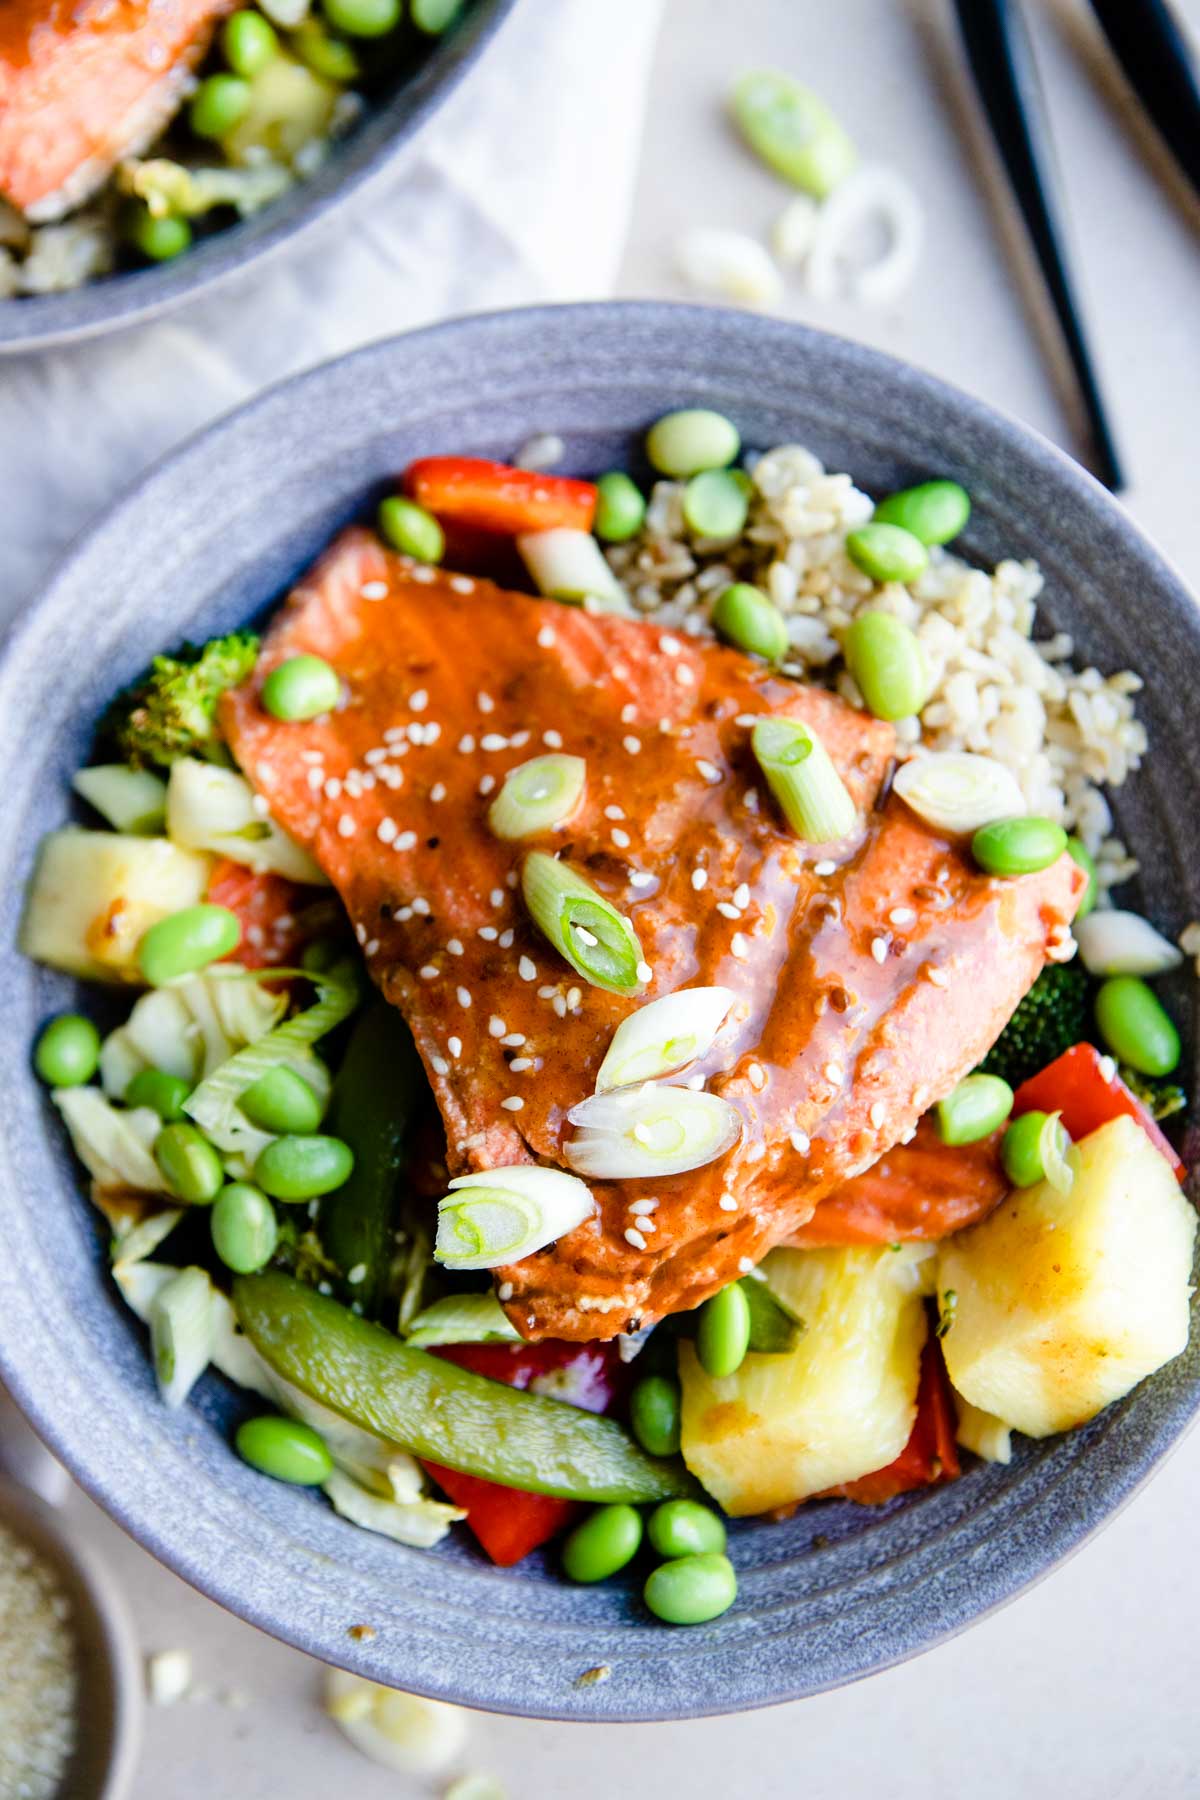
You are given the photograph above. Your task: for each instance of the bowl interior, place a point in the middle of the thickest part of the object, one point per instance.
(395, 112)
(208, 541)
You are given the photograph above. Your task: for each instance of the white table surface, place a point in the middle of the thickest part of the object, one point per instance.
(1084, 1687)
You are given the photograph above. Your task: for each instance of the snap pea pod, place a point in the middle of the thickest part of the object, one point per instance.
(370, 1109)
(437, 1410)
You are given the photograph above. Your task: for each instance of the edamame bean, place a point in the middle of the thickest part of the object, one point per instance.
(744, 616)
(654, 1413)
(302, 1168)
(620, 508)
(281, 1100)
(303, 687)
(323, 54)
(690, 1590)
(163, 1092)
(186, 941)
(244, 1227)
(723, 1332)
(190, 1164)
(976, 1108)
(934, 511)
(606, 1540)
(219, 103)
(158, 236)
(411, 529)
(1021, 1150)
(685, 1528)
(434, 16)
(249, 42)
(1087, 862)
(1018, 846)
(886, 660)
(684, 443)
(715, 503)
(1136, 1026)
(363, 18)
(886, 552)
(68, 1051)
(285, 1450)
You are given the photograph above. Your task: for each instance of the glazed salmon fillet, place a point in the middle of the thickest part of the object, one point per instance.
(867, 983)
(86, 82)
(921, 1189)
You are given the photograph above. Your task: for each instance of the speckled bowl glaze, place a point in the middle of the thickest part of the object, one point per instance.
(367, 154)
(209, 540)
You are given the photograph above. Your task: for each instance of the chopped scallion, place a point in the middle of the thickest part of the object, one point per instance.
(811, 794)
(663, 1036)
(956, 791)
(538, 795)
(584, 927)
(650, 1131)
(501, 1215)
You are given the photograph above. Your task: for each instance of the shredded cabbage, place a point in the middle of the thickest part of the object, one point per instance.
(422, 1522)
(113, 1145)
(191, 1027)
(140, 1241)
(171, 187)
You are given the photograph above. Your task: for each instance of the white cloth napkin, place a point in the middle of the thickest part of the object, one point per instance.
(518, 192)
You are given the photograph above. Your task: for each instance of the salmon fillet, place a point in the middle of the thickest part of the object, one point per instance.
(866, 988)
(84, 83)
(922, 1189)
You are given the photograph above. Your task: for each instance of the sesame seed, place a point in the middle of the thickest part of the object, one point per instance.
(333, 788)
(739, 946)
(488, 933)
(496, 897)
(640, 878)
(392, 778)
(394, 734)
(429, 972)
(513, 1040)
(437, 792)
(670, 646)
(695, 1082)
(641, 1208)
(404, 914)
(419, 701)
(699, 878)
(632, 744)
(519, 739)
(633, 1236)
(684, 675)
(552, 740)
(879, 949)
(574, 998)
(496, 1026)
(877, 1115)
(744, 1265)
(527, 969)
(312, 756)
(374, 590)
(619, 672)
(371, 947)
(800, 1142)
(454, 1046)
(727, 1203)
(645, 972)
(374, 757)
(462, 584)
(741, 895)
(750, 800)
(464, 996)
(487, 784)
(545, 637)
(585, 936)
(455, 947)
(757, 1076)
(466, 743)
(505, 939)
(519, 1064)
(902, 915)
(504, 1291)
(747, 719)
(824, 867)
(485, 703)
(560, 1006)
(710, 771)
(614, 812)
(315, 779)
(493, 740)
(621, 839)
(514, 1103)
(728, 910)
(345, 826)
(938, 977)
(834, 1072)
(360, 932)
(439, 1065)
(416, 733)
(421, 905)
(628, 713)
(406, 841)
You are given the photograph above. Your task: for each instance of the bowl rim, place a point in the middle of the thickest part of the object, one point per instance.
(1037, 456)
(33, 323)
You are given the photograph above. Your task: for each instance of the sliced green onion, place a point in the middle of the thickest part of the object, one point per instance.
(597, 940)
(132, 800)
(501, 1215)
(1123, 943)
(650, 1131)
(812, 795)
(663, 1036)
(182, 1333)
(1055, 1149)
(569, 565)
(462, 1319)
(214, 1104)
(538, 795)
(956, 791)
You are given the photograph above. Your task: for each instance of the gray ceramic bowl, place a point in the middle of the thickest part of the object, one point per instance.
(366, 155)
(207, 541)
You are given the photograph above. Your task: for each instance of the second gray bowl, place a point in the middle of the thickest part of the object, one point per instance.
(208, 541)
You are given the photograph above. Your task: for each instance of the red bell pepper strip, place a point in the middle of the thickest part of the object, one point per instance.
(1075, 1085)
(931, 1453)
(278, 917)
(469, 490)
(508, 1522)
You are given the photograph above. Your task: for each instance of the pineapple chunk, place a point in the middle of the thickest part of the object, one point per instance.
(1064, 1302)
(94, 893)
(840, 1405)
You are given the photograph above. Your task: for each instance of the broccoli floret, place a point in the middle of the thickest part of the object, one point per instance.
(172, 711)
(1054, 1014)
(1161, 1097)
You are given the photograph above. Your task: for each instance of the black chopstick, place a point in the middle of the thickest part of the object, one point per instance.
(1001, 58)
(1146, 40)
